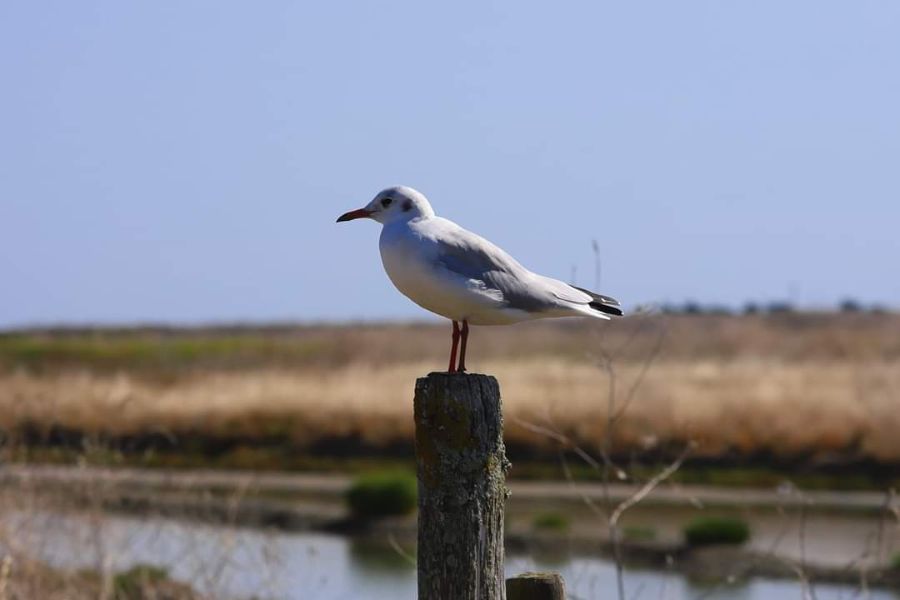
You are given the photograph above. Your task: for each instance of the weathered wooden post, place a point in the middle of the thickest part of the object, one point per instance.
(536, 586)
(461, 466)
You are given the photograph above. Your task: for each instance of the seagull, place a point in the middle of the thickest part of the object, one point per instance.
(462, 276)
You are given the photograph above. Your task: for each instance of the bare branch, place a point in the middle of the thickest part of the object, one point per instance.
(650, 486)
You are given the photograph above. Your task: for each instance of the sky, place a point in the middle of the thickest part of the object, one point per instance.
(184, 162)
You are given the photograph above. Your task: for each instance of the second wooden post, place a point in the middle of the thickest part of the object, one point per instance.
(461, 466)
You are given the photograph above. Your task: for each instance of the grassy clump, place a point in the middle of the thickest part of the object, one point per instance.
(383, 494)
(550, 521)
(134, 583)
(639, 533)
(705, 531)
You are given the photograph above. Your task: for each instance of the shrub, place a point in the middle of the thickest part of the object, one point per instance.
(895, 562)
(550, 520)
(704, 531)
(780, 307)
(849, 305)
(382, 494)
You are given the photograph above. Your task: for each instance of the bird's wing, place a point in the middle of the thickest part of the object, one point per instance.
(564, 291)
(470, 256)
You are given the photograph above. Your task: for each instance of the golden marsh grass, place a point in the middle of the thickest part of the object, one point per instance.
(788, 385)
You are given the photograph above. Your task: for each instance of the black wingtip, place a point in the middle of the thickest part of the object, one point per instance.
(606, 308)
(605, 304)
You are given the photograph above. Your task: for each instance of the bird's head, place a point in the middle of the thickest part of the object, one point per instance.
(398, 203)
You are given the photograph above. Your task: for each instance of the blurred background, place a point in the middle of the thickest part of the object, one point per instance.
(206, 385)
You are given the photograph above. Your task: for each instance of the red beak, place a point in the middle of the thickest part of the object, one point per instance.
(359, 213)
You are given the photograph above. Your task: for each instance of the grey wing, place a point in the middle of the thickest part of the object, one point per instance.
(475, 258)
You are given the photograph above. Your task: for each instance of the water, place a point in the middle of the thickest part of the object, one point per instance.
(240, 563)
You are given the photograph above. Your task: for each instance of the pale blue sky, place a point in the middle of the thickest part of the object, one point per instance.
(185, 161)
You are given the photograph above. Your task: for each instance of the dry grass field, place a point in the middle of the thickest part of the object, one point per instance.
(816, 388)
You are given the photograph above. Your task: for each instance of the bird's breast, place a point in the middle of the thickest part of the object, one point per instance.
(413, 269)
(410, 272)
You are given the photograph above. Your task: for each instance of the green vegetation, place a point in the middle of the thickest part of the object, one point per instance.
(31, 579)
(551, 521)
(134, 583)
(639, 533)
(704, 531)
(895, 562)
(383, 494)
(156, 353)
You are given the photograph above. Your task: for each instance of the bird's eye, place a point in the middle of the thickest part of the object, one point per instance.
(386, 202)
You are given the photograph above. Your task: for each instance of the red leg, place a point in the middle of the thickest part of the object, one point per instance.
(452, 368)
(462, 348)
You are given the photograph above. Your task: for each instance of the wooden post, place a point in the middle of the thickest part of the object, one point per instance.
(536, 586)
(461, 465)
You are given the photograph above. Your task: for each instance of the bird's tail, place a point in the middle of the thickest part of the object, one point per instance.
(604, 304)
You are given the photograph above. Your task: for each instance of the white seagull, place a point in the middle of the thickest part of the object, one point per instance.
(460, 275)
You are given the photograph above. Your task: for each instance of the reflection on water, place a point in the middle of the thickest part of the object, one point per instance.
(239, 563)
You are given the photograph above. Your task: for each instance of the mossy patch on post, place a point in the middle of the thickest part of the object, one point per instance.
(383, 494)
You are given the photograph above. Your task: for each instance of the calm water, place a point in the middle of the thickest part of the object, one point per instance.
(241, 563)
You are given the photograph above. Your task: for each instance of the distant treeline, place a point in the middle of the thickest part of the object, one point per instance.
(774, 307)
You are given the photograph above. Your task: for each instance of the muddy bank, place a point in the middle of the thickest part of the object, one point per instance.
(330, 487)
(278, 451)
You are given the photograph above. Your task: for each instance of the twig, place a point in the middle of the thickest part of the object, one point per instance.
(650, 485)
(396, 547)
(631, 501)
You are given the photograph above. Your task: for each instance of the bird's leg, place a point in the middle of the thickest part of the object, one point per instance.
(462, 348)
(452, 368)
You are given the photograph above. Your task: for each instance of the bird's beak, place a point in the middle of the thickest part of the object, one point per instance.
(359, 213)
